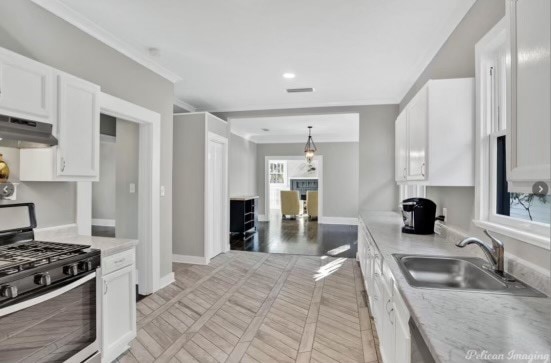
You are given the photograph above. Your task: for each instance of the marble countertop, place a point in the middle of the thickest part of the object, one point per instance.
(456, 324)
(108, 246)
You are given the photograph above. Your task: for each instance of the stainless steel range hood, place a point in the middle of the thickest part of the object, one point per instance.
(21, 133)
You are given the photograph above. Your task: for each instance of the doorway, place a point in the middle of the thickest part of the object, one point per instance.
(115, 206)
(148, 249)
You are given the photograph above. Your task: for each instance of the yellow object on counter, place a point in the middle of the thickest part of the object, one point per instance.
(4, 170)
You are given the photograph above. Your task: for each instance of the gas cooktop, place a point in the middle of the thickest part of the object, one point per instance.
(21, 256)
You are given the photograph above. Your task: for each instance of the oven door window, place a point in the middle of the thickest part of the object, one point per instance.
(52, 330)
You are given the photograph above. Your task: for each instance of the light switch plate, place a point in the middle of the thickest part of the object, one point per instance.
(162, 190)
(132, 188)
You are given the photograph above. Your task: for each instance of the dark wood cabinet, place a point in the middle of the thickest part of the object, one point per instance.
(243, 215)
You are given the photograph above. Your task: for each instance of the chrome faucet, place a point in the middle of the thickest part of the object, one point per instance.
(495, 253)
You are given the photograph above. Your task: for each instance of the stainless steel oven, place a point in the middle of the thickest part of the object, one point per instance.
(48, 297)
(57, 325)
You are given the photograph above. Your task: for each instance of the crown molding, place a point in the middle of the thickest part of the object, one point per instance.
(64, 12)
(242, 135)
(186, 106)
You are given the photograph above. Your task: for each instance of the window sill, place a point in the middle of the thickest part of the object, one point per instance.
(531, 238)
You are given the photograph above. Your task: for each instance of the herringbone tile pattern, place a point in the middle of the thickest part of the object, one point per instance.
(257, 307)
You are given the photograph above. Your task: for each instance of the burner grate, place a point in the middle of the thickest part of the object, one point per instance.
(17, 256)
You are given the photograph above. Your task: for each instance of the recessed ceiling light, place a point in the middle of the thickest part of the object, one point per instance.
(266, 130)
(289, 75)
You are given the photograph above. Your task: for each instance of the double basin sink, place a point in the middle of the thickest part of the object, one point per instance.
(459, 273)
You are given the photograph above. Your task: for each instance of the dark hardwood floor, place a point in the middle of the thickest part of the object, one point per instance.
(300, 237)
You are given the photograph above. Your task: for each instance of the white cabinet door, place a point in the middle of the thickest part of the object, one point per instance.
(119, 312)
(26, 87)
(529, 92)
(78, 127)
(402, 339)
(387, 336)
(417, 122)
(401, 148)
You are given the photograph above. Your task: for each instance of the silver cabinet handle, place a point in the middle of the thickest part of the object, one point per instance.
(386, 306)
(62, 164)
(105, 287)
(390, 314)
(405, 173)
(423, 169)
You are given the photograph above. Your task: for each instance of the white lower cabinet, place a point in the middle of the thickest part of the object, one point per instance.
(386, 304)
(118, 305)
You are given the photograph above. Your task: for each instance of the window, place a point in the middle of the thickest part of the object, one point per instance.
(529, 207)
(522, 216)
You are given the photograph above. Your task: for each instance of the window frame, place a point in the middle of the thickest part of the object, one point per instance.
(487, 132)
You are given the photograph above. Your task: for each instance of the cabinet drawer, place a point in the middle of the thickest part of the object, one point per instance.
(118, 261)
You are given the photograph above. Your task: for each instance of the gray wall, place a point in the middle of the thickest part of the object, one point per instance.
(340, 175)
(377, 188)
(456, 59)
(33, 32)
(103, 191)
(55, 201)
(189, 184)
(127, 155)
(242, 166)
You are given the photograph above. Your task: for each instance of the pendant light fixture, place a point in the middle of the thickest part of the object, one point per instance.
(310, 147)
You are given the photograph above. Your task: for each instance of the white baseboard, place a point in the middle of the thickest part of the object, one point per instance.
(338, 220)
(103, 222)
(166, 280)
(263, 218)
(194, 260)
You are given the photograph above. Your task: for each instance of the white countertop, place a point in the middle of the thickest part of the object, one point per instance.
(454, 322)
(107, 245)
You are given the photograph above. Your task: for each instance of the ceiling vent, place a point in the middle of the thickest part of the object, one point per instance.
(299, 90)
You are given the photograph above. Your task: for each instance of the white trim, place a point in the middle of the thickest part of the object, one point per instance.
(103, 222)
(485, 217)
(166, 280)
(148, 262)
(55, 228)
(183, 104)
(297, 139)
(534, 239)
(66, 13)
(285, 106)
(338, 220)
(107, 138)
(267, 159)
(194, 260)
(263, 218)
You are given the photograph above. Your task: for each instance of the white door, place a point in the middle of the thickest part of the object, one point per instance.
(78, 128)
(25, 87)
(401, 147)
(216, 197)
(417, 124)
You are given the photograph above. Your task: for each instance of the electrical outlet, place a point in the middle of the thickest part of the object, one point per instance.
(132, 188)
(445, 214)
(162, 190)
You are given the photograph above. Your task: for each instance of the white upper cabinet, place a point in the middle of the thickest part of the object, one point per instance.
(78, 127)
(26, 87)
(529, 91)
(400, 144)
(417, 114)
(438, 128)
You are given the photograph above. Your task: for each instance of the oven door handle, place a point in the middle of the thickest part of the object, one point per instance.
(50, 295)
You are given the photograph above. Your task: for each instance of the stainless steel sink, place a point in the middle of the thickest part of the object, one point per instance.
(459, 273)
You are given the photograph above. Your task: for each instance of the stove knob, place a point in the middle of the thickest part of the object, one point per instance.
(85, 265)
(43, 279)
(71, 270)
(8, 291)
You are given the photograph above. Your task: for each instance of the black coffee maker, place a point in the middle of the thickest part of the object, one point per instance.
(419, 215)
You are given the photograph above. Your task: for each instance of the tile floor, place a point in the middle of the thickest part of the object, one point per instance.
(258, 307)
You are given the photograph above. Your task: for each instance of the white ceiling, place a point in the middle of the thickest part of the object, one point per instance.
(294, 129)
(230, 55)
